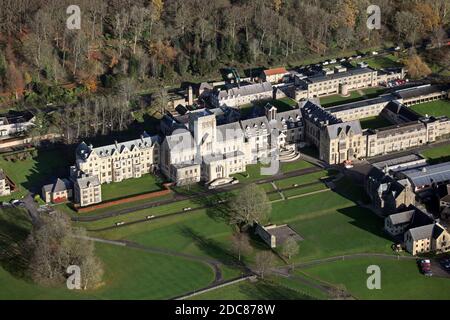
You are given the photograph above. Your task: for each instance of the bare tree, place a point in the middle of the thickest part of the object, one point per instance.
(290, 247)
(264, 261)
(241, 244)
(249, 205)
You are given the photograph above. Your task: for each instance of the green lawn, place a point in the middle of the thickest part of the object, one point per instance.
(381, 62)
(437, 154)
(129, 274)
(304, 190)
(304, 179)
(271, 289)
(32, 173)
(117, 190)
(253, 171)
(374, 122)
(337, 99)
(173, 207)
(433, 108)
(400, 279)
(206, 232)
(149, 276)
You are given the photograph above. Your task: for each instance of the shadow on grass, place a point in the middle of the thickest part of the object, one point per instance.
(265, 290)
(365, 220)
(14, 230)
(212, 248)
(214, 201)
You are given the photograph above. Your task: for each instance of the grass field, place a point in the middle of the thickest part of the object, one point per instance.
(117, 190)
(254, 170)
(307, 178)
(32, 173)
(355, 95)
(437, 154)
(381, 62)
(337, 99)
(270, 289)
(304, 190)
(206, 232)
(374, 122)
(400, 279)
(149, 276)
(433, 108)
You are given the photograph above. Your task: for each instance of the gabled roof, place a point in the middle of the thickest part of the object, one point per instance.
(401, 217)
(246, 90)
(423, 232)
(274, 71)
(58, 185)
(335, 130)
(180, 140)
(229, 131)
(87, 181)
(251, 126)
(146, 141)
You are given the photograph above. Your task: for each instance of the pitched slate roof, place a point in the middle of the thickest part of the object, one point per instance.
(419, 91)
(180, 140)
(426, 175)
(338, 75)
(401, 217)
(229, 131)
(422, 232)
(251, 126)
(246, 90)
(58, 185)
(316, 114)
(146, 141)
(335, 130)
(87, 181)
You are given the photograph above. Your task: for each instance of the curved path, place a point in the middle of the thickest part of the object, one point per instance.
(182, 197)
(213, 263)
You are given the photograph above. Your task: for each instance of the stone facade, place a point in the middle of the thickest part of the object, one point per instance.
(5, 190)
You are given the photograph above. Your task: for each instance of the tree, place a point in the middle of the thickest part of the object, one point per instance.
(249, 205)
(290, 247)
(55, 245)
(407, 25)
(240, 243)
(417, 68)
(264, 261)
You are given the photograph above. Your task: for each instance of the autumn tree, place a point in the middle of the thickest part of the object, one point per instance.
(55, 245)
(249, 205)
(417, 68)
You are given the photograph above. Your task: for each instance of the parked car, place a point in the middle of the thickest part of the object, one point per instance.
(374, 53)
(14, 202)
(150, 217)
(425, 267)
(445, 263)
(221, 201)
(120, 223)
(187, 209)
